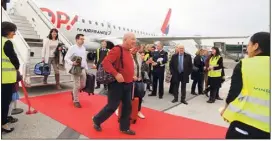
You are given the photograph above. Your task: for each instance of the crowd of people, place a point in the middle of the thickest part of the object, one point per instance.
(143, 67)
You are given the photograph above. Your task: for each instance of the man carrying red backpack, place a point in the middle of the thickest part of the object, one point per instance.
(119, 64)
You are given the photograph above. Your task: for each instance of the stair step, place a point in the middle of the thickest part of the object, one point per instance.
(37, 51)
(51, 78)
(28, 32)
(25, 28)
(35, 44)
(62, 72)
(24, 25)
(17, 17)
(49, 83)
(20, 21)
(33, 40)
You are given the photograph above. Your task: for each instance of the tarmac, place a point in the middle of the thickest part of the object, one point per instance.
(40, 126)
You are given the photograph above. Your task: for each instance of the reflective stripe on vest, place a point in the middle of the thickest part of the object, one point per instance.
(213, 62)
(146, 57)
(252, 106)
(9, 74)
(97, 53)
(5, 60)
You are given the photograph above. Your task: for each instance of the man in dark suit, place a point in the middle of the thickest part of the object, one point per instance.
(160, 58)
(180, 68)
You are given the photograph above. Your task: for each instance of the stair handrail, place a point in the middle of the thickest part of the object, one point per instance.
(34, 6)
(25, 62)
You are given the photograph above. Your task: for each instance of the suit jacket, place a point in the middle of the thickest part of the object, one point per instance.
(199, 63)
(187, 67)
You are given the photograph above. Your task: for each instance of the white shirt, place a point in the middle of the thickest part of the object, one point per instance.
(75, 50)
(52, 47)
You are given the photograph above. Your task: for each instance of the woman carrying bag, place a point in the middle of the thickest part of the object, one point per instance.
(48, 55)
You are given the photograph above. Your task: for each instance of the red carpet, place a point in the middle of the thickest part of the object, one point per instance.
(157, 125)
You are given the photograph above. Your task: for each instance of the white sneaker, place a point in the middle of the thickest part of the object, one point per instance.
(140, 115)
(116, 112)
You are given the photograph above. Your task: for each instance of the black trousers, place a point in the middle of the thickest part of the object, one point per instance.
(150, 77)
(183, 87)
(158, 75)
(214, 93)
(239, 130)
(199, 82)
(6, 97)
(117, 92)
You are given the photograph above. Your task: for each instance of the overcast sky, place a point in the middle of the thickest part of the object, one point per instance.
(189, 17)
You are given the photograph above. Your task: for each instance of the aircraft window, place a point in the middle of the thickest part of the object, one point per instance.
(83, 21)
(127, 29)
(124, 29)
(135, 31)
(119, 28)
(131, 30)
(108, 26)
(90, 22)
(114, 26)
(102, 24)
(96, 23)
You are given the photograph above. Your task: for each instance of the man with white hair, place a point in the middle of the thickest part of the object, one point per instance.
(119, 90)
(180, 68)
(160, 58)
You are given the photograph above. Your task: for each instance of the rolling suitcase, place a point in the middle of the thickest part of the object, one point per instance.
(134, 108)
(90, 82)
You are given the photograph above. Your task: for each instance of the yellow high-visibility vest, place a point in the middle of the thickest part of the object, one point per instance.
(252, 106)
(9, 74)
(97, 53)
(213, 62)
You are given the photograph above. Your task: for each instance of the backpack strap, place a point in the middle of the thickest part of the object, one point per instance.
(121, 56)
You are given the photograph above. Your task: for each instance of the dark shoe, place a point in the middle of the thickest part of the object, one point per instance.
(184, 102)
(12, 119)
(160, 97)
(210, 101)
(193, 93)
(128, 132)
(77, 105)
(97, 87)
(174, 100)
(6, 130)
(152, 94)
(219, 98)
(96, 126)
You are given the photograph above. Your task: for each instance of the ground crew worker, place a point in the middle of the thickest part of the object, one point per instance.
(148, 56)
(248, 102)
(101, 53)
(10, 64)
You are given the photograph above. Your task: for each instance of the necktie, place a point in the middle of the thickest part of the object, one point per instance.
(180, 64)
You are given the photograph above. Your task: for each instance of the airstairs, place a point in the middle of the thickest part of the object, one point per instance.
(32, 28)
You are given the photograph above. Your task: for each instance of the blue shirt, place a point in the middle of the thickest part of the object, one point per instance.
(180, 66)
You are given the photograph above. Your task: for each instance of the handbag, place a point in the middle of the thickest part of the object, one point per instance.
(104, 77)
(139, 89)
(42, 68)
(195, 68)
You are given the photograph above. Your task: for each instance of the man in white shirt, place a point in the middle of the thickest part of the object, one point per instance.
(79, 80)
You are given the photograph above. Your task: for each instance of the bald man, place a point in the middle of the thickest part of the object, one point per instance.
(119, 90)
(180, 68)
